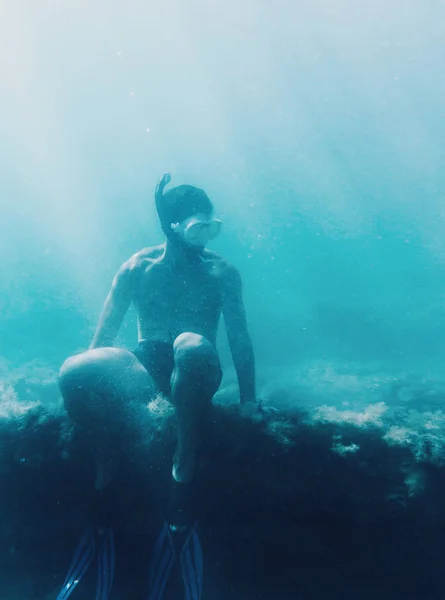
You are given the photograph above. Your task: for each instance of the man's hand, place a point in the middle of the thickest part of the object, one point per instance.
(249, 400)
(256, 410)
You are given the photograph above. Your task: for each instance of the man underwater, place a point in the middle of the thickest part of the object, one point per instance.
(179, 290)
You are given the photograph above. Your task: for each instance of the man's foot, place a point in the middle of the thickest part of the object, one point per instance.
(165, 552)
(83, 557)
(184, 465)
(181, 511)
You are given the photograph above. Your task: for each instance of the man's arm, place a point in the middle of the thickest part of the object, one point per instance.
(115, 308)
(238, 335)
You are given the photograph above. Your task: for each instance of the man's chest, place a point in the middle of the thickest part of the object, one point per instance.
(180, 293)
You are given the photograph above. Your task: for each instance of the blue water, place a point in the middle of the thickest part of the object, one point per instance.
(317, 129)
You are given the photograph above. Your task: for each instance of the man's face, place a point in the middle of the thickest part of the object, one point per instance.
(198, 229)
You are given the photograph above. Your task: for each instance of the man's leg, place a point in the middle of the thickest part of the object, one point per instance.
(196, 378)
(99, 387)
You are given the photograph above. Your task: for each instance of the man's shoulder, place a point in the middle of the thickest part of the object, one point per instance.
(215, 260)
(140, 261)
(221, 267)
(144, 258)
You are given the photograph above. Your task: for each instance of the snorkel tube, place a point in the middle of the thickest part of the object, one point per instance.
(159, 191)
(159, 195)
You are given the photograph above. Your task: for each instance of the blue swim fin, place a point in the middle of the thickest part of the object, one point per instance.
(192, 566)
(105, 566)
(83, 557)
(164, 556)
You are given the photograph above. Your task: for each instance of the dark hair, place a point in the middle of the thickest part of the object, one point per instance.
(182, 202)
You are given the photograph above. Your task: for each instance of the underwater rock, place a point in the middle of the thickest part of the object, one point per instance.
(291, 503)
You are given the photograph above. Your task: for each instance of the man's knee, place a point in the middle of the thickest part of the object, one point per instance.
(196, 355)
(193, 350)
(102, 370)
(75, 373)
(82, 369)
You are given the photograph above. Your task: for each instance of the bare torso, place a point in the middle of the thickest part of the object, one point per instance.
(172, 299)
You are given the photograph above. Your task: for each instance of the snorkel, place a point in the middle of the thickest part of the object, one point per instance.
(159, 195)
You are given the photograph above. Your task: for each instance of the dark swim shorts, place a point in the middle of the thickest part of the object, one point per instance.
(158, 358)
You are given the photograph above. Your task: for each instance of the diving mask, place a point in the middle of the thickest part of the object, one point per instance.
(197, 230)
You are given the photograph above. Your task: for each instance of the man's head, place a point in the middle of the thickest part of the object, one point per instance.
(185, 213)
